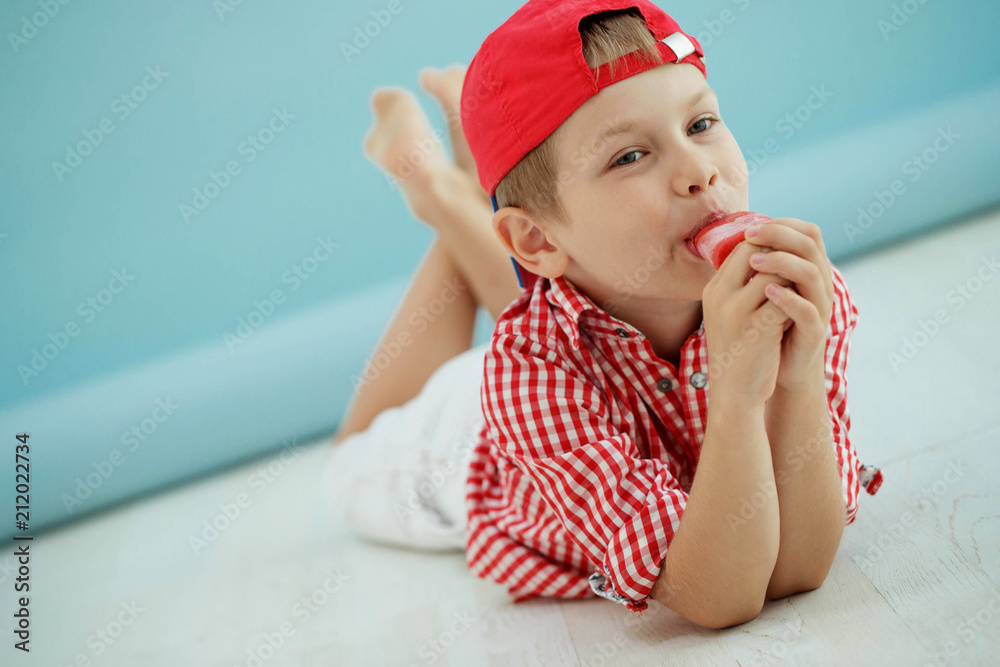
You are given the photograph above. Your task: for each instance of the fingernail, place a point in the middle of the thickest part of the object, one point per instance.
(753, 231)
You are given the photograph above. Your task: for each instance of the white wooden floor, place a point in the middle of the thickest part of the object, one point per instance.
(916, 580)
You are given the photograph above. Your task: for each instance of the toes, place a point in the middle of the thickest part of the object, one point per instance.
(430, 80)
(456, 73)
(387, 97)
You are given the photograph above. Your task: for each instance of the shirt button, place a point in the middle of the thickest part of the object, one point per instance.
(698, 380)
(621, 332)
(664, 384)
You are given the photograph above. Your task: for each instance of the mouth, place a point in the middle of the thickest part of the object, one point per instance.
(700, 225)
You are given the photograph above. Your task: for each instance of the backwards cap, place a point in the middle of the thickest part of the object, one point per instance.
(530, 75)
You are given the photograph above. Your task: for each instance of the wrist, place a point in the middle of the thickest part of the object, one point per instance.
(726, 404)
(812, 378)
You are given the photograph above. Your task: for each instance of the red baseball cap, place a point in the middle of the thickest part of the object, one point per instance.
(530, 75)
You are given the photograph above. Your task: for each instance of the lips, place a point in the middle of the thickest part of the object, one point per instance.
(705, 222)
(701, 224)
(716, 241)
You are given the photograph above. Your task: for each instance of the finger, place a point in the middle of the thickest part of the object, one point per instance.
(769, 316)
(795, 236)
(753, 295)
(806, 276)
(803, 312)
(736, 271)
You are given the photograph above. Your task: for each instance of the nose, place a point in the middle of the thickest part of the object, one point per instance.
(694, 173)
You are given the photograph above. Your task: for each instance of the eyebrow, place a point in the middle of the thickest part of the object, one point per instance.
(630, 125)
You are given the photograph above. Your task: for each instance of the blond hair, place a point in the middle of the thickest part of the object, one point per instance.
(532, 183)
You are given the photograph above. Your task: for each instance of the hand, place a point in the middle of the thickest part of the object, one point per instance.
(743, 330)
(798, 255)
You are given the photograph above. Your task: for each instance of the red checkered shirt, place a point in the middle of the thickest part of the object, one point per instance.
(580, 476)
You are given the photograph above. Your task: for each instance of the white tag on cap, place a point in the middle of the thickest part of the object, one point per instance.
(679, 44)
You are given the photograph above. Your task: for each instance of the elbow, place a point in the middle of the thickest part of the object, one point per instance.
(716, 614)
(729, 615)
(779, 588)
(786, 581)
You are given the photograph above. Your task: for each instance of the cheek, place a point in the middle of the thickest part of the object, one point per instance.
(735, 164)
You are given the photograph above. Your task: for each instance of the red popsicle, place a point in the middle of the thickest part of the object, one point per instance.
(717, 240)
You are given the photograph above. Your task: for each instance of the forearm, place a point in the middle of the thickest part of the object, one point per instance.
(810, 501)
(717, 569)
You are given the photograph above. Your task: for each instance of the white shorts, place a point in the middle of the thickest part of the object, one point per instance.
(402, 480)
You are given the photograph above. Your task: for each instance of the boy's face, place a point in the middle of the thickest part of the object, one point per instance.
(633, 197)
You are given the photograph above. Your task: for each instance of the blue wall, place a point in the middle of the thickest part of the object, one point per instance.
(893, 82)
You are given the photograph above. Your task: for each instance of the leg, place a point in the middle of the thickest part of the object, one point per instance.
(440, 194)
(462, 209)
(463, 221)
(447, 334)
(465, 253)
(446, 86)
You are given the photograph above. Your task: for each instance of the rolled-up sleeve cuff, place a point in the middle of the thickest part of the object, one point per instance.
(635, 556)
(871, 479)
(602, 584)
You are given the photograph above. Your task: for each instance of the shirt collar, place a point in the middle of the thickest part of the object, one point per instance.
(564, 295)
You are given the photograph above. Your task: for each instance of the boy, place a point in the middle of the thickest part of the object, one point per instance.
(604, 468)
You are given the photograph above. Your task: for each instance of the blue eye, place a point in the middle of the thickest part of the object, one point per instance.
(703, 120)
(619, 163)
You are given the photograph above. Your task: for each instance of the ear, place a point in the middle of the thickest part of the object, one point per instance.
(534, 247)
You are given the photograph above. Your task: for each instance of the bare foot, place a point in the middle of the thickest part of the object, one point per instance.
(402, 142)
(446, 87)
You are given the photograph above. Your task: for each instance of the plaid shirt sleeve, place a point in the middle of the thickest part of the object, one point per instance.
(555, 425)
(853, 475)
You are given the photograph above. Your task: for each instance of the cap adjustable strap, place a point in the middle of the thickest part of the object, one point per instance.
(673, 49)
(679, 44)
